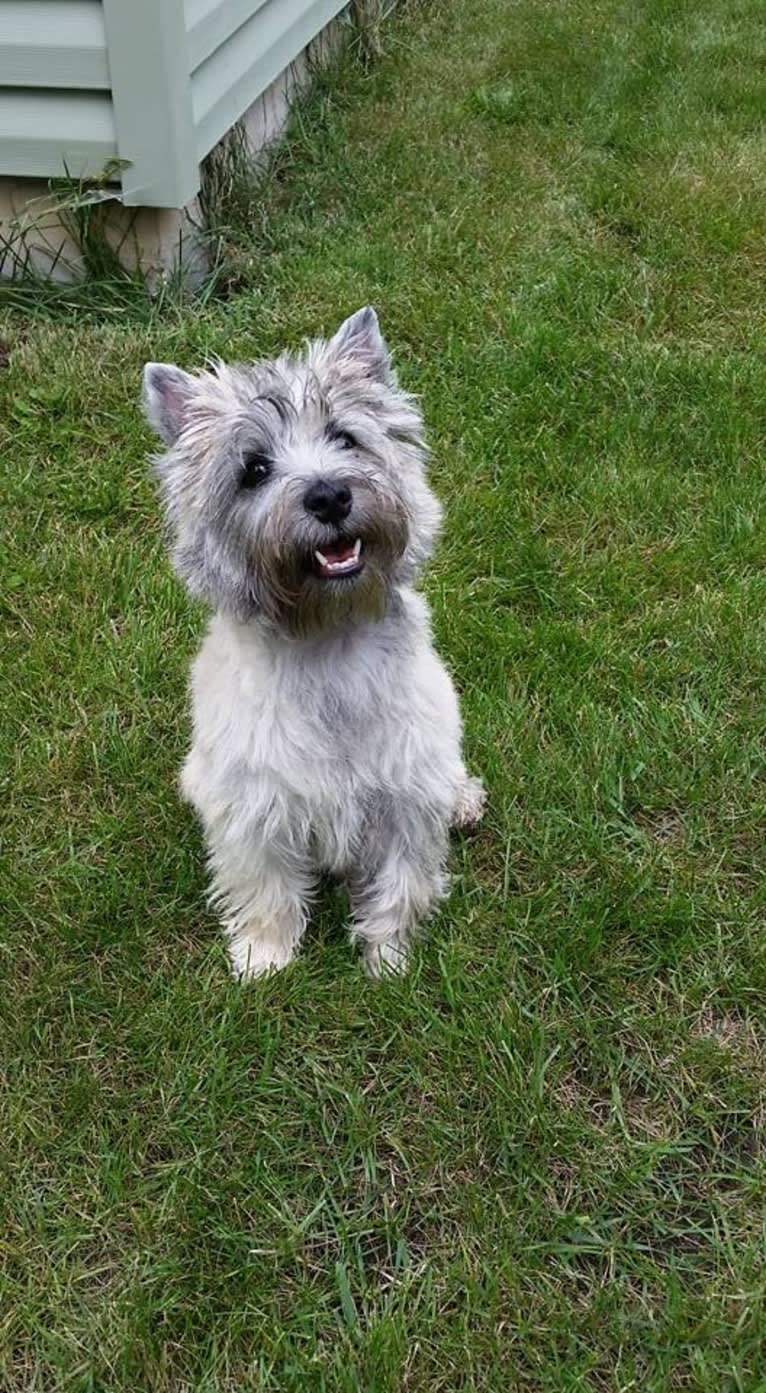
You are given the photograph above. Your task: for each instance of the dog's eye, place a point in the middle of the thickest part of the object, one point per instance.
(256, 468)
(343, 438)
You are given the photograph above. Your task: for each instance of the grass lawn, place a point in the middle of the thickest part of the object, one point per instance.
(537, 1163)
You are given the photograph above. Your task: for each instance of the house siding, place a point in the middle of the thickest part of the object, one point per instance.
(152, 83)
(55, 103)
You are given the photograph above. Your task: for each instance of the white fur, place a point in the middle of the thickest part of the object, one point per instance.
(281, 795)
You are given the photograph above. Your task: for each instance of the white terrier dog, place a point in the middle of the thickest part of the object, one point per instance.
(327, 736)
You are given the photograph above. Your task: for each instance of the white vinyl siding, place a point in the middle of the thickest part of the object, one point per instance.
(154, 83)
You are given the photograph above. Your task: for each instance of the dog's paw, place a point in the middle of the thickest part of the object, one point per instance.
(470, 803)
(254, 957)
(391, 957)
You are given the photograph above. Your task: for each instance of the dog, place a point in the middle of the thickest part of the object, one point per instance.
(326, 730)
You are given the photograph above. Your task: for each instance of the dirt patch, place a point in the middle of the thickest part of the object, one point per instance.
(739, 1035)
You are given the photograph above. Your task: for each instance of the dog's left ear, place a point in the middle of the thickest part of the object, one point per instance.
(359, 338)
(168, 390)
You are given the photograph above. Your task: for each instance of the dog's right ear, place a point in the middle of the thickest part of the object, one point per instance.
(168, 391)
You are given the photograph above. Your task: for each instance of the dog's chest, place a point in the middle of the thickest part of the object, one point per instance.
(324, 719)
(342, 707)
(333, 732)
(322, 740)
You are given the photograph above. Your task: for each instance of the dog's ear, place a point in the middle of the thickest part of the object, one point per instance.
(359, 338)
(167, 394)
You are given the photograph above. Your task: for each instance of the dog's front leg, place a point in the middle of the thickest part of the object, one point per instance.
(263, 890)
(404, 881)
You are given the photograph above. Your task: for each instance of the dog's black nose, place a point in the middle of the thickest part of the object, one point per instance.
(328, 499)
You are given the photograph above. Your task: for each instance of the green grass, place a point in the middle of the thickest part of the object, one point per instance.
(536, 1164)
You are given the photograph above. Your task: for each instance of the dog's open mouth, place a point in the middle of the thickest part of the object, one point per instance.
(333, 563)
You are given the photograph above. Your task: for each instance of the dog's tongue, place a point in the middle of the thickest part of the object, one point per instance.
(337, 554)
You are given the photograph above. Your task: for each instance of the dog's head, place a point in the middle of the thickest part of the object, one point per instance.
(295, 489)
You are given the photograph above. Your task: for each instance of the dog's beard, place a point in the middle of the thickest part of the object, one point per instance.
(290, 588)
(322, 605)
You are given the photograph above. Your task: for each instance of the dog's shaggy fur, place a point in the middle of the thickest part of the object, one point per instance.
(327, 734)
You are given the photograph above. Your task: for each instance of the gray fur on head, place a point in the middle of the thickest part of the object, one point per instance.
(244, 443)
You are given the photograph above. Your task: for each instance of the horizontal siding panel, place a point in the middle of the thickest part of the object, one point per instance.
(229, 81)
(53, 43)
(209, 23)
(45, 133)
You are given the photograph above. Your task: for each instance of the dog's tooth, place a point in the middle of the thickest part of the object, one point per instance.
(321, 559)
(357, 548)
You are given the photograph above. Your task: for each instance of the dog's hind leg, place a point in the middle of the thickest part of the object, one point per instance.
(264, 894)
